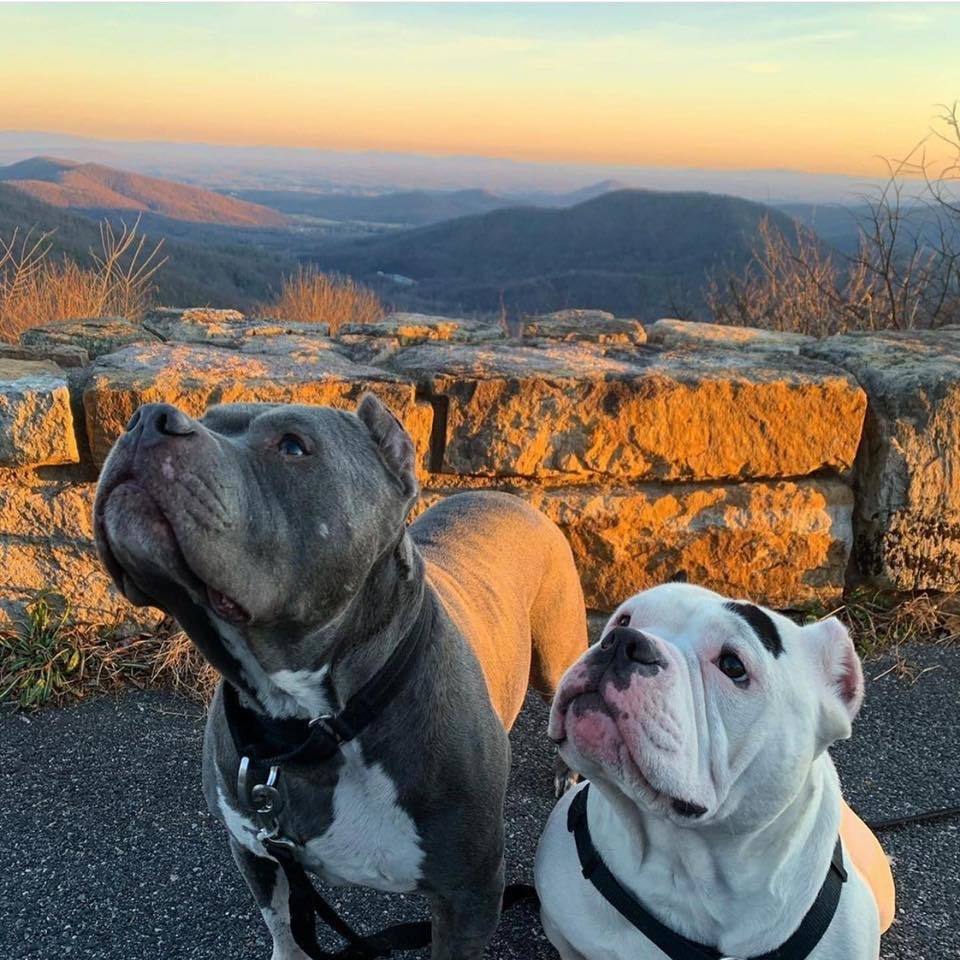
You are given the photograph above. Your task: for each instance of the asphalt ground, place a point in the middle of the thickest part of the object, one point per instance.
(107, 851)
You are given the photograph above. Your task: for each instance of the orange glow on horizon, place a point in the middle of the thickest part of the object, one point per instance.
(348, 78)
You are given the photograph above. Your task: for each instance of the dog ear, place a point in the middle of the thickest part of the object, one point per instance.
(394, 443)
(839, 664)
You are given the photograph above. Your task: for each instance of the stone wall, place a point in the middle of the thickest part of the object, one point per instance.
(752, 462)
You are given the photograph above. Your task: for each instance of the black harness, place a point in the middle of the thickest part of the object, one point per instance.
(676, 947)
(267, 744)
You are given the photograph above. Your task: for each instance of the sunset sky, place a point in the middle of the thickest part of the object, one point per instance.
(808, 87)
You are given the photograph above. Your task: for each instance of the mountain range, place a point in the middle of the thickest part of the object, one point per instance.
(93, 188)
(637, 253)
(222, 167)
(195, 274)
(413, 208)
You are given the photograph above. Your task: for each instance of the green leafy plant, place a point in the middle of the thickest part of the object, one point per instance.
(42, 659)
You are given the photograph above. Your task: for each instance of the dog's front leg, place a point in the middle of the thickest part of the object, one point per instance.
(269, 886)
(464, 920)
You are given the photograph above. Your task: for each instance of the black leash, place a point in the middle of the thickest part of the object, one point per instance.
(798, 946)
(269, 744)
(306, 904)
(928, 816)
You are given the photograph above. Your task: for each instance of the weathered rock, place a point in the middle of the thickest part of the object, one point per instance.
(410, 328)
(36, 423)
(96, 335)
(783, 544)
(299, 348)
(683, 333)
(593, 326)
(578, 411)
(63, 355)
(372, 350)
(46, 546)
(227, 328)
(907, 476)
(25, 369)
(194, 377)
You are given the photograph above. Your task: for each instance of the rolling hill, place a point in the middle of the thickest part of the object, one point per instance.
(224, 275)
(636, 253)
(412, 208)
(92, 188)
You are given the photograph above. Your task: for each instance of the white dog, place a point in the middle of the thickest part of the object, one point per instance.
(714, 808)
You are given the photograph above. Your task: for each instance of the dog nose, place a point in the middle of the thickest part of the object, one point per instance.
(631, 647)
(160, 421)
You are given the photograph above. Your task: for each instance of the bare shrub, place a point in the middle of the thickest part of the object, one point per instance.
(311, 296)
(37, 288)
(788, 285)
(905, 273)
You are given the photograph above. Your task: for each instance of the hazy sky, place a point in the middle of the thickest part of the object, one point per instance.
(810, 87)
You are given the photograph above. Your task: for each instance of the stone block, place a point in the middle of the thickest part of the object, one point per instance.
(907, 476)
(581, 412)
(36, 422)
(194, 377)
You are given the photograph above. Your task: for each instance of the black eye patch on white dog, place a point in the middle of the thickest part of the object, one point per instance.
(760, 622)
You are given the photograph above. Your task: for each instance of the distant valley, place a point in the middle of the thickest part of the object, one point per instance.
(635, 252)
(412, 208)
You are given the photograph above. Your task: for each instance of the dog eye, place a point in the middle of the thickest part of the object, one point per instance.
(731, 665)
(623, 620)
(291, 446)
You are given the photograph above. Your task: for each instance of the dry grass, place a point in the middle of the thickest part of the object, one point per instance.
(46, 659)
(310, 296)
(881, 623)
(36, 287)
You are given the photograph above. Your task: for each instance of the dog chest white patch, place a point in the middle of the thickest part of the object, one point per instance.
(372, 840)
(306, 687)
(275, 699)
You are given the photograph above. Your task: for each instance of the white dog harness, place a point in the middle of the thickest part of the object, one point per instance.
(797, 947)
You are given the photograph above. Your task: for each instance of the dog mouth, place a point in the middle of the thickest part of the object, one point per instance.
(225, 607)
(181, 572)
(583, 700)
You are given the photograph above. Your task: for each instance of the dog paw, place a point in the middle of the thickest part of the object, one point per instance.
(563, 778)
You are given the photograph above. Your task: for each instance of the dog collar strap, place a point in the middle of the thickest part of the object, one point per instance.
(271, 741)
(797, 947)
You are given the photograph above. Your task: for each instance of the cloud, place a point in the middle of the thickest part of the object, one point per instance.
(764, 67)
(819, 36)
(907, 18)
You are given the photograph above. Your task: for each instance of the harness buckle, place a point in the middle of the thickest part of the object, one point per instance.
(332, 726)
(243, 776)
(274, 838)
(265, 797)
(266, 801)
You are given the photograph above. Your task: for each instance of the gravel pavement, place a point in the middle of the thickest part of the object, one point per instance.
(108, 851)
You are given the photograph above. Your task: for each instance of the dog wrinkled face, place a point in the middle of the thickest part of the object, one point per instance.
(700, 709)
(258, 516)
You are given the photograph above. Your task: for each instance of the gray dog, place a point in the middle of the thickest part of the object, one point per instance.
(378, 665)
